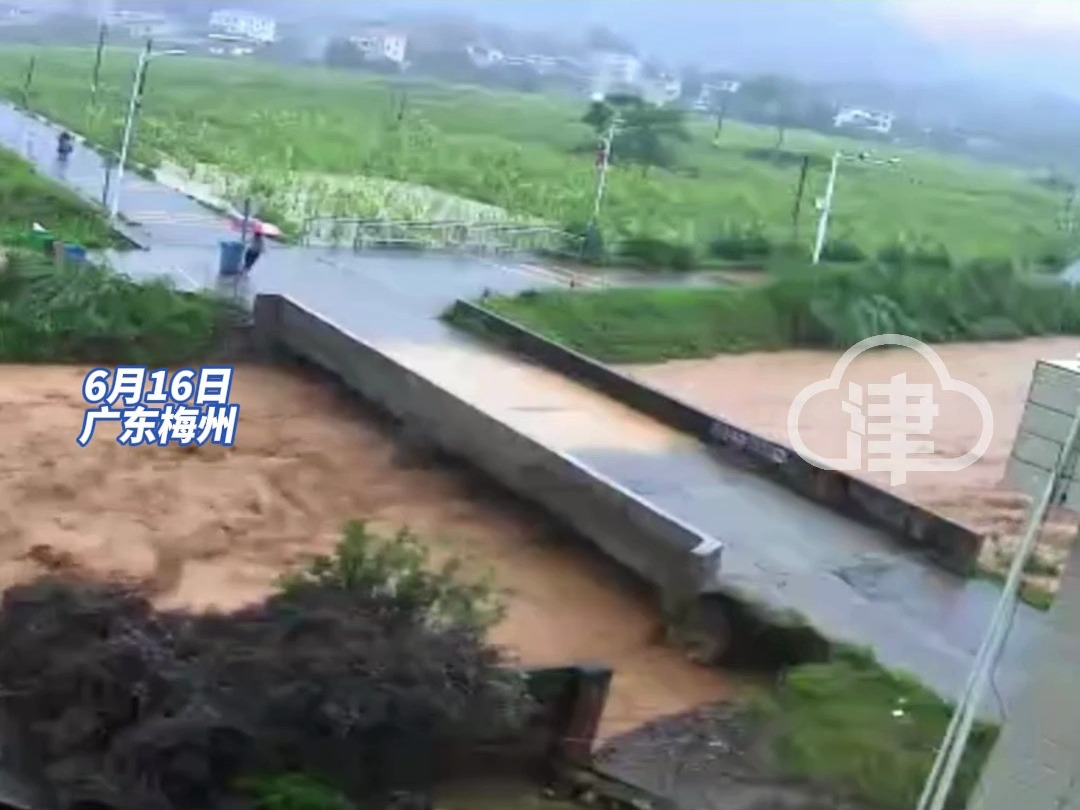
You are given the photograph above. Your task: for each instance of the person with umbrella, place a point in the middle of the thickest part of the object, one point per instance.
(254, 248)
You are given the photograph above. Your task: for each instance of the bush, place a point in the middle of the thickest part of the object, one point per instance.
(746, 242)
(658, 253)
(842, 250)
(901, 254)
(64, 312)
(362, 672)
(874, 733)
(831, 307)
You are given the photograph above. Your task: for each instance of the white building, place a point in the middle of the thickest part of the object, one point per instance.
(711, 96)
(243, 25)
(662, 90)
(866, 120)
(615, 72)
(144, 25)
(381, 45)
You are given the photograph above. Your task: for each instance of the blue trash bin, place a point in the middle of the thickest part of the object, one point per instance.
(75, 254)
(232, 258)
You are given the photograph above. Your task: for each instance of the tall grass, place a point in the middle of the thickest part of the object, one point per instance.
(72, 313)
(521, 153)
(835, 308)
(27, 197)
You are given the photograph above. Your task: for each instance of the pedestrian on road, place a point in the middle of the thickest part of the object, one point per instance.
(254, 250)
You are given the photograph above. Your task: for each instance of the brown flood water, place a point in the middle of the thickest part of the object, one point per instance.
(755, 391)
(212, 528)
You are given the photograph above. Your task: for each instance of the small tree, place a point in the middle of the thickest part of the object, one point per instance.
(645, 132)
(771, 94)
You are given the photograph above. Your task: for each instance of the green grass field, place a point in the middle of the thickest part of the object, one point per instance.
(831, 308)
(272, 125)
(27, 197)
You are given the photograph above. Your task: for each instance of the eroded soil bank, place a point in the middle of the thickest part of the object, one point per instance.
(755, 391)
(213, 528)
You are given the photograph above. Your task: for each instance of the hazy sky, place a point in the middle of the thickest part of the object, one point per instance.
(993, 20)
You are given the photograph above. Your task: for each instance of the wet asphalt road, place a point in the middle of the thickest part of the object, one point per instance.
(851, 581)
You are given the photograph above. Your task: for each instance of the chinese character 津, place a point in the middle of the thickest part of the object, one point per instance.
(885, 419)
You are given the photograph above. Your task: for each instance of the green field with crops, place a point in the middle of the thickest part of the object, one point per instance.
(318, 142)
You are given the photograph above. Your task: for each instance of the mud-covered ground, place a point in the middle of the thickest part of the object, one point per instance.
(711, 758)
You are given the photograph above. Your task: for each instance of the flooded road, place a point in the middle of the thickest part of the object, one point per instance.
(213, 527)
(755, 391)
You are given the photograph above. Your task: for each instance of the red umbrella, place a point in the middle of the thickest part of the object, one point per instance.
(257, 226)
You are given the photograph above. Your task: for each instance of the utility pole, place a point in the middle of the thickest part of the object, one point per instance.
(95, 76)
(138, 86)
(830, 193)
(800, 189)
(826, 208)
(28, 81)
(603, 161)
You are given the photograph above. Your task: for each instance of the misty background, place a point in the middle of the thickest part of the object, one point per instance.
(994, 79)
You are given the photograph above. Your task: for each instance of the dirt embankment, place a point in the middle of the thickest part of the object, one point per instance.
(755, 391)
(213, 528)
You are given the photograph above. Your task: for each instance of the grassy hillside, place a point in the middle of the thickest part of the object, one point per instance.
(27, 197)
(306, 139)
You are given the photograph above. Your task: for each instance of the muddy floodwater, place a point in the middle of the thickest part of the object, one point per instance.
(213, 527)
(755, 391)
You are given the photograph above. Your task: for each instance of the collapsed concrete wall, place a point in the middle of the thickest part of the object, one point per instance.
(678, 560)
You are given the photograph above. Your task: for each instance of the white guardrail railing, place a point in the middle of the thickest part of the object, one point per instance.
(468, 237)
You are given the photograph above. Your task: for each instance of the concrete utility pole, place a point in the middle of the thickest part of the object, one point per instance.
(603, 161)
(138, 87)
(830, 194)
(1035, 764)
(95, 76)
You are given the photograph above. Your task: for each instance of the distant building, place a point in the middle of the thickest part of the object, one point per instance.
(615, 73)
(711, 96)
(378, 44)
(662, 90)
(231, 24)
(483, 57)
(866, 120)
(143, 25)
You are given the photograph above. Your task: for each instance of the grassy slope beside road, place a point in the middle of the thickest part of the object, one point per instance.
(27, 196)
(871, 733)
(69, 313)
(288, 130)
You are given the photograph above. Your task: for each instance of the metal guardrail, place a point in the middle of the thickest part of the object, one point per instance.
(499, 238)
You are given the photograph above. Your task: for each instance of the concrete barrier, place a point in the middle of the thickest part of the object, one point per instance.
(675, 558)
(952, 546)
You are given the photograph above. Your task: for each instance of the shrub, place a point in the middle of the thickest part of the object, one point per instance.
(658, 253)
(64, 312)
(745, 242)
(833, 307)
(363, 673)
(842, 250)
